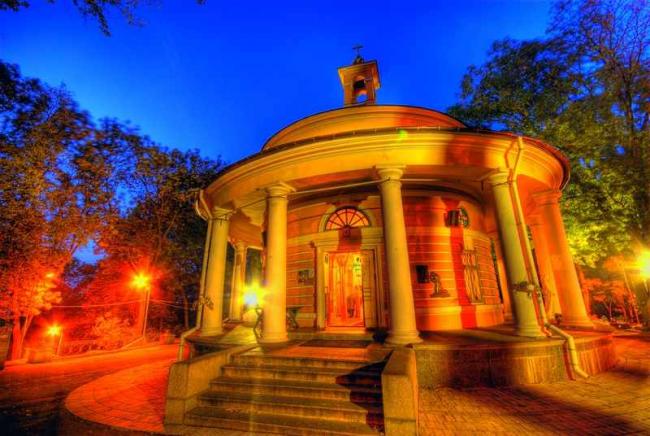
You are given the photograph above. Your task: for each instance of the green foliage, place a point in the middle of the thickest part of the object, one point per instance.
(159, 232)
(66, 180)
(111, 331)
(586, 90)
(96, 9)
(48, 207)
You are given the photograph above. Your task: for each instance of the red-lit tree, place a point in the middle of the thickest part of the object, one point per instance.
(160, 233)
(54, 193)
(610, 294)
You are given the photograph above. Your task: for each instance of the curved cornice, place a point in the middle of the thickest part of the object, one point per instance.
(422, 146)
(360, 118)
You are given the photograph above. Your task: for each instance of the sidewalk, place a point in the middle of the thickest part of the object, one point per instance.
(617, 402)
(129, 402)
(132, 399)
(31, 395)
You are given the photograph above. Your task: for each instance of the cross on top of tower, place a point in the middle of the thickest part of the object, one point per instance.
(358, 59)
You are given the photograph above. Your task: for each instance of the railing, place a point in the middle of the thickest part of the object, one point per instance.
(83, 346)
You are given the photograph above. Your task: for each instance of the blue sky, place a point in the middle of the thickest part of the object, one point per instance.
(224, 76)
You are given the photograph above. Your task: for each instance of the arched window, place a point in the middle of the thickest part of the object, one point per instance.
(346, 217)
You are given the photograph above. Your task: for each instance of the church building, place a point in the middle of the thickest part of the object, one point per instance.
(376, 217)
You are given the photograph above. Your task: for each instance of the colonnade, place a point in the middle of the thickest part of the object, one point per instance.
(403, 330)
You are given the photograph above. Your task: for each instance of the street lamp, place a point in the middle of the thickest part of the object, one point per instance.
(53, 331)
(644, 264)
(644, 272)
(142, 283)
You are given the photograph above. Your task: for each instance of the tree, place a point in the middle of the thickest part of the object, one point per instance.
(97, 9)
(66, 180)
(585, 89)
(159, 232)
(611, 294)
(54, 192)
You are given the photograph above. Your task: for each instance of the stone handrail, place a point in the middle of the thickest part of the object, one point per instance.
(399, 381)
(188, 378)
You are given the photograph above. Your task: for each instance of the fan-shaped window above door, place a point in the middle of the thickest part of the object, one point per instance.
(346, 217)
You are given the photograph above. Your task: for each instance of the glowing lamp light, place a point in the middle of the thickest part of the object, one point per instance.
(50, 275)
(54, 330)
(644, 265)
(250, 299)
(253, 296)
(141, 281)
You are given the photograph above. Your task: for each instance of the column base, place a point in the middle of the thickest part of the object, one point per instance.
(576, 323)
(274, 338)
(215, 331)
(403, 338)
(530, 332)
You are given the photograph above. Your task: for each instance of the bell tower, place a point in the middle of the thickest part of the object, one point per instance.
(360, 81)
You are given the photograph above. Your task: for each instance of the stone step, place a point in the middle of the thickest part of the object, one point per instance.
(250, 359)
(319, 375)
(259, 423)
(354, 393)
(331, 410)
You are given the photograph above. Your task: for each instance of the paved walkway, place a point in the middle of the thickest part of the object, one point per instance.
(129, 399)
(31, 395)
(617, 402)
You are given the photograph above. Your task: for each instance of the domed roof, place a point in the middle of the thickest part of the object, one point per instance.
(361, 118)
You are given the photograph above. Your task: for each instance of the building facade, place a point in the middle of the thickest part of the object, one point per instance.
(391, 217)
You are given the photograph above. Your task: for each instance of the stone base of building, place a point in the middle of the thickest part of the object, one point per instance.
(437, 318)
(492, 358)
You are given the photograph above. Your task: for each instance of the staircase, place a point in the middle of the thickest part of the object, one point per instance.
(277, 393)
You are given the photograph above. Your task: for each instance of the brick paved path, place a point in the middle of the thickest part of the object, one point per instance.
(131, 399)
(32, 395)
(617, 402)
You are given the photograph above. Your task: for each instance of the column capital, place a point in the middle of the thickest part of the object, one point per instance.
(240, 245)
(499, 177)
(220, 213)
(390, 172)
(280, 189)
(551, 196)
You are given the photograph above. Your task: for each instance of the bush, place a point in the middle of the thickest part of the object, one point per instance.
(111, 331)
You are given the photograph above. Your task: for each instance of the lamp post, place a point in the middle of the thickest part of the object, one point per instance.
(142, 283)
(53, 331)
(644, 272)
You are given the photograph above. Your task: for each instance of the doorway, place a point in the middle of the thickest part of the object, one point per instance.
(345, 297)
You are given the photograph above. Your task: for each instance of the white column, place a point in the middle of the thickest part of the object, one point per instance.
(524, 307)
(500, 271)
(543, 257)
(238, 275)
(212, 321)
(574, 312)
(403, 328)
(274, 327)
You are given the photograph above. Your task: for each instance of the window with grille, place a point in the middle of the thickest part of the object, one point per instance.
(346, 217)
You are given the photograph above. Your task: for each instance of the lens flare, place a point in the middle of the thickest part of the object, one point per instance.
(644, 264)
(54, 330)
(141, 281)
(253, 296)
